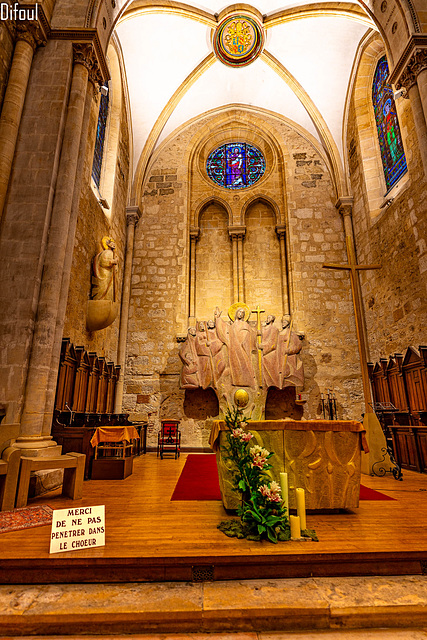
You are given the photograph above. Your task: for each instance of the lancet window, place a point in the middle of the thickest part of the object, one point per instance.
(235, 165)
(100, 139)
(389, 136)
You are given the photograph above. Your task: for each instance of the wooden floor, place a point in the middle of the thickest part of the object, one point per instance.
(150, 538)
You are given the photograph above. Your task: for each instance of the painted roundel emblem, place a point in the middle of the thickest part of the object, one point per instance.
(238, 40)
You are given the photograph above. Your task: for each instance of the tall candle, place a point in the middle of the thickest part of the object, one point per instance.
(284, 488)
(300, 494)
(295, 527)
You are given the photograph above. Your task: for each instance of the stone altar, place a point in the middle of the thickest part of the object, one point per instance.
(321, 456)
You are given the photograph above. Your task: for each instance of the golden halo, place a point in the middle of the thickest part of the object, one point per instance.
(238, 305)
(241, 398)
(105, 240)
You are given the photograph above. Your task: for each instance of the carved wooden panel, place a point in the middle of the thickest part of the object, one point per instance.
(416, 382)
(66, 376)
(81, 382)
(405, 447)
(379, 382)
(396, 383)
(93, 380)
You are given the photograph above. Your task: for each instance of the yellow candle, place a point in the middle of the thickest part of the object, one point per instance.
(284, 488)
(301, 507)
(295, 527)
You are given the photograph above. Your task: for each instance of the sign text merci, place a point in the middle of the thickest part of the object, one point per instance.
(78, 528)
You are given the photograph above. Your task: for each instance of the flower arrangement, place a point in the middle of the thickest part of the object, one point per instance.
(262, 514)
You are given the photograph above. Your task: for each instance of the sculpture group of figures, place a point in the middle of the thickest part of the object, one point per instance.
(235, 354)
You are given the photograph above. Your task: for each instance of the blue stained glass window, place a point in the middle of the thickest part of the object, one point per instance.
(100, 139)
(235, 165)
(389, 136)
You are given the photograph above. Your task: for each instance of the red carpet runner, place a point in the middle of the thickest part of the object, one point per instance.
(199, 481)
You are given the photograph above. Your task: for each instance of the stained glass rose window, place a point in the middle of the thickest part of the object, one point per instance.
(235, 165)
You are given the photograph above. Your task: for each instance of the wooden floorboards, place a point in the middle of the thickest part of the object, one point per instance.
(150, 538)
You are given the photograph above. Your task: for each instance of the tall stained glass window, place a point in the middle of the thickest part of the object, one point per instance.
(390, 139)
(100, 139)
(235, 165)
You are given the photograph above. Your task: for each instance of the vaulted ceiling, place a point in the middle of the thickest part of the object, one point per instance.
(303, 73)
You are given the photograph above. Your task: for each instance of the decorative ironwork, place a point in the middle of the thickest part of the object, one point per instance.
(100, 139)
(389, 136)
(381, 409)
(381, 471)
(203, 573)
(235, 165)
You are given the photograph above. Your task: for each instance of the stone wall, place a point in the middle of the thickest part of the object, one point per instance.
(27, 212)
(394, 297)
(320, 299)
(93, 224)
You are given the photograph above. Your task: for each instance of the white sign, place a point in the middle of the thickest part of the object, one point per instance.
(78, 528)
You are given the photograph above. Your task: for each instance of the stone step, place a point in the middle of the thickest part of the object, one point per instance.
(253, 606)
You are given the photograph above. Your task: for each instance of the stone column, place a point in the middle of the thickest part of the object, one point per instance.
(413, 78)
(28, 38)
(133, 214)
(235, 268)
(237, 233)
(65, 284)
(194, 236)
(32, 420)
(241, 297)
(281, 234)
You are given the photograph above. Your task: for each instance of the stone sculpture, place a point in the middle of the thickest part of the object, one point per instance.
(104, 272)
(224, 355)
(188, 355)
(240, 339)
(103, 308)
(291, 371)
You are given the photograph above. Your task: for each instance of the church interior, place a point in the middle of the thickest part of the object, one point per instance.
(230, 218)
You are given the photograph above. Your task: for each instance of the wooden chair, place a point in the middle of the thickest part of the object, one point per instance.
(74, 468)
(169, 438)
(9, 472)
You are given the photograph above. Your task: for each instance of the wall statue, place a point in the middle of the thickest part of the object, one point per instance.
(239, 360)
(103, 307)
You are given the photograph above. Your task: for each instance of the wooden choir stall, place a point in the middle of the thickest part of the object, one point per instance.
(85, 401)
(399, 385)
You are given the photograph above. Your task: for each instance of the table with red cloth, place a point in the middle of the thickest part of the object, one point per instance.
(321, 456)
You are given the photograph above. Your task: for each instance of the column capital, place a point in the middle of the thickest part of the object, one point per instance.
(281, 230)
(412, 61)
(194, 233)
(237, 231)
(133, 214)
(345, 205)
(84, 53)
(32, 33)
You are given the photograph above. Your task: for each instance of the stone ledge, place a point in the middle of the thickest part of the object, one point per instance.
(255, 605)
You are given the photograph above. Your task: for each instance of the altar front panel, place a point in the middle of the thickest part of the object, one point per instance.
(322, 457)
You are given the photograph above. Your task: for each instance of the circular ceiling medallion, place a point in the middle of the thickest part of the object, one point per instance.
(238, 40)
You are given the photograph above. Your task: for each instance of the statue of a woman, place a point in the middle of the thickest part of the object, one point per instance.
(104, 272)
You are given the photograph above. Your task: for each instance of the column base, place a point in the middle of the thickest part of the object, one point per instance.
(37, 446)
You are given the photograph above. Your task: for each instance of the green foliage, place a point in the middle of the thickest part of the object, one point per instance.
(262, 514)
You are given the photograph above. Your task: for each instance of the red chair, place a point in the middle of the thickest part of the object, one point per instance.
(169, 438)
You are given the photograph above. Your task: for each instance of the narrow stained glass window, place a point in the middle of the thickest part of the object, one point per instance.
(100, 139)
(235, 165)
(389, 136)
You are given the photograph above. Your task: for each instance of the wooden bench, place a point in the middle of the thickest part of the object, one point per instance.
(9, 472)
(73, 465)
